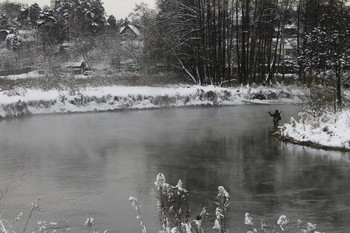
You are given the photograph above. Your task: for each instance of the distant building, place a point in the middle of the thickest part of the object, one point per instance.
(131, 32)
(75, 67)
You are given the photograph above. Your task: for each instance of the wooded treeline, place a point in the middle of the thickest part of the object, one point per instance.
(209, 41)
(215, 41)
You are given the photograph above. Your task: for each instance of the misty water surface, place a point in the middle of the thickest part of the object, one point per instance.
(89, 164)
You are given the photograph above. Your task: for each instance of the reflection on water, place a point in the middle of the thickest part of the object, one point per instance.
(91, 163)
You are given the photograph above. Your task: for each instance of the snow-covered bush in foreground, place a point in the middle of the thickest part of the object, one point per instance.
(329, 131)
(174, 213)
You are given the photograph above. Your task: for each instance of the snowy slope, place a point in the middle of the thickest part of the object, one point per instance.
(330, 130)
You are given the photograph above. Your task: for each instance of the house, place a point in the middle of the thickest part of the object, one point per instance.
(75, 67)
(131, 32)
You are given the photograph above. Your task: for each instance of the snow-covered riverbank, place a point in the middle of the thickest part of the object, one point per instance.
(329, 131)
(19, 102)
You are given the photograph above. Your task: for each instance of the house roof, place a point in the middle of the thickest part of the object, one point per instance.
(133, 28)
(73, 63)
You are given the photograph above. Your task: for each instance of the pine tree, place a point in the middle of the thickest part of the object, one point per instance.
(4, 21)
(23, 17)
(15, 43)
(98, 19)
(112, 22)
(34, 12)
(326, 52)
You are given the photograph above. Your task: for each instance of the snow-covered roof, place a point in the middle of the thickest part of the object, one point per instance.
(73, 63)
(132, 27)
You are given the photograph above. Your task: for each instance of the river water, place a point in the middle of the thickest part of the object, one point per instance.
(89, 164)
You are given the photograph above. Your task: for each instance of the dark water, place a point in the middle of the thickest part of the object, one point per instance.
(89, 164)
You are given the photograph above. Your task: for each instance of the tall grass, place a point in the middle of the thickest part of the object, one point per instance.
(174, 213)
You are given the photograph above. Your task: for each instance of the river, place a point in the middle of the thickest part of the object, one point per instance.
(89, 164)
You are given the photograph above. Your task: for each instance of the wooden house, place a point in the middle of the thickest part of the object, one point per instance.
(131, 32)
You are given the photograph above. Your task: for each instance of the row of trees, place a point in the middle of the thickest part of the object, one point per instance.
(211, 41)
(82, 22)
(217, 40)
(67, 20)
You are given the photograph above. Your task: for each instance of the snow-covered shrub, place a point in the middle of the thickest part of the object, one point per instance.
(317, 100)
(164, 101)
(293, 122)
(330, 130)
(258, 96)
(174, 213)
(272, 95)
(284, 94)
(16, 109)
(17, 91)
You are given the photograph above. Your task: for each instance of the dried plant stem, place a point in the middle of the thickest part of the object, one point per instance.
(29, 217)
(3, 227)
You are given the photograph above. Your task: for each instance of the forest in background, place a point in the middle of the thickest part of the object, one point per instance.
(218, 42)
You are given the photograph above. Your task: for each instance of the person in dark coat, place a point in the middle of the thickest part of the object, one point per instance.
(276, 118)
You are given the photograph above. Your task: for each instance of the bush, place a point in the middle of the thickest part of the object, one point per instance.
(174, 213)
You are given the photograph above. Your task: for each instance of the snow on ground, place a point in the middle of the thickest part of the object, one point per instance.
(330, 130)
(21, 101)
(32, 74)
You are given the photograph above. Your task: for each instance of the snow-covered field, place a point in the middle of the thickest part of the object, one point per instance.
(329, 131)
(19, 102)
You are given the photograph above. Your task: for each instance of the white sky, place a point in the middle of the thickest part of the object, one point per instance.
(118, 8)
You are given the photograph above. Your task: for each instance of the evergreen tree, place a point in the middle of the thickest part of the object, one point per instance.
(326, 50)
(11, 10)
(98, 19)
(34, 12)
(112, 22)
(15, 43)
(4, 21)
(49, 28)
(23, 17)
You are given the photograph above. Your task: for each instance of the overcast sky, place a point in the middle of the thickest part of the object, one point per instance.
(118, 8)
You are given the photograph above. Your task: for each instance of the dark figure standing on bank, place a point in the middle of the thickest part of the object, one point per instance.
(276, 118)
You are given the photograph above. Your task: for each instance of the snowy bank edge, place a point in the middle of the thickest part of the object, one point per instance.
(311, 144)
(32, 102)
(332, 133)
